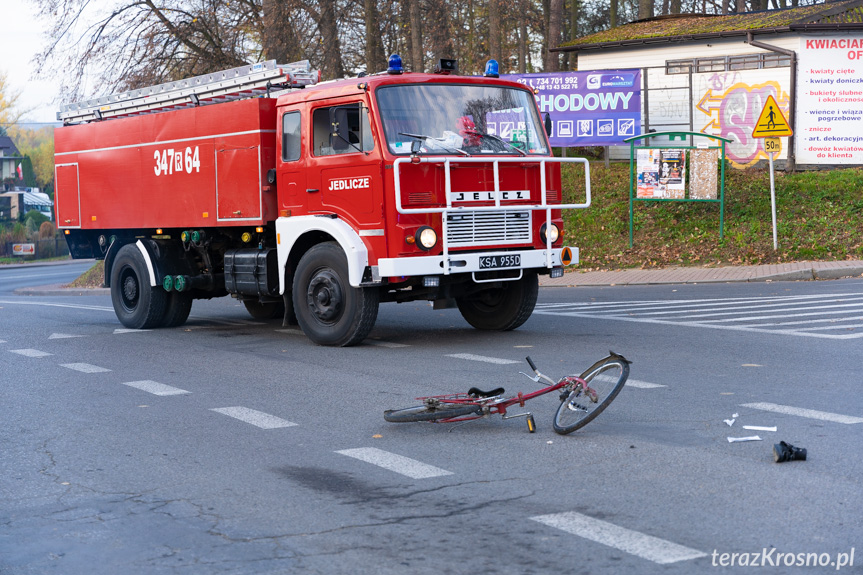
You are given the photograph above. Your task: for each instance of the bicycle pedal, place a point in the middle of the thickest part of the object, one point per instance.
(531, 424)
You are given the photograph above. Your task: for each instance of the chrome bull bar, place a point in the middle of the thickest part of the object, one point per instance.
(495, 162)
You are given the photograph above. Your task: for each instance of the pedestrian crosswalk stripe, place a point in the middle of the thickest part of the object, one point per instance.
(397, 463)
(254, 417)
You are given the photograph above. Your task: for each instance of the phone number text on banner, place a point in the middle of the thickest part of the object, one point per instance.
(596, 108)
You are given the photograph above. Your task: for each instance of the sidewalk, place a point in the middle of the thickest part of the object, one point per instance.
(795, 271)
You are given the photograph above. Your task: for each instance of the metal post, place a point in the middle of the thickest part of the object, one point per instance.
(773, 202)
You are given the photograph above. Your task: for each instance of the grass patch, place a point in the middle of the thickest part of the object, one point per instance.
(92, 278)
(819, 218)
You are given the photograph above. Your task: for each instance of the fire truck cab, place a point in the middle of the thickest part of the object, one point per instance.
(317, 204)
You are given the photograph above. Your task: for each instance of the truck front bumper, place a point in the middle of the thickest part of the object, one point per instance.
(459, 262)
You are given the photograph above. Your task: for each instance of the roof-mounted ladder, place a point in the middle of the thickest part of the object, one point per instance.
(234, 84)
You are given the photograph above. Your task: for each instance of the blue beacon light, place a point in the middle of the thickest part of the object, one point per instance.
(491, 69)
(394, 65)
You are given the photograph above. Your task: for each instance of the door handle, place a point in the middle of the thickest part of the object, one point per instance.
(312, 190)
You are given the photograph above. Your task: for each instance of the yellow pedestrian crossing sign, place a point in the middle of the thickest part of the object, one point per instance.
(771, 123)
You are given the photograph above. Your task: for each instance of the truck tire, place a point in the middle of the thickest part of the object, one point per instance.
(501, 308)
(136, 303)
(177, 309)
(264, 310)
(329, 310)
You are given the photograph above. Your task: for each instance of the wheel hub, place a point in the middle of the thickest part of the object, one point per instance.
(130, 290)
(325, 296)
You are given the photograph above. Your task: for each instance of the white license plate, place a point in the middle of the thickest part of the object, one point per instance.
(496, 262)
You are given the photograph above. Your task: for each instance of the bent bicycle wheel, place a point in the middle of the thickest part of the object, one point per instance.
(426, 413)
(606, 377)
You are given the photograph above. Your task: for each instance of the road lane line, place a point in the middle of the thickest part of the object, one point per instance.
(31, 352)
(397, 463)
(472, 357)
(62, 336)
(632, 542)
(72, 306)
(84, 367)
(127, 330)
(253, 417)
(802, 412)
(155, 387)
(643, 384)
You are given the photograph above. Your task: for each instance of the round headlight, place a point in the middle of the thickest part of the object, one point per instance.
(553, 233)
(426, 238)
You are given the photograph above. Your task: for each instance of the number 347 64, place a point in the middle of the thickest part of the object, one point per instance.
(171, 161)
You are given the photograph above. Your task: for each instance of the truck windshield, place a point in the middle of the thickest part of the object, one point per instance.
(462, 119)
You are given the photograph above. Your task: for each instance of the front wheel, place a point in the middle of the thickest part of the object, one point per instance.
(329, 310)
(428, 413)
(605, 378)
(501, 308)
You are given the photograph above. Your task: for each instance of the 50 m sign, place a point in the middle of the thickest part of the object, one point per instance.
(171, 161)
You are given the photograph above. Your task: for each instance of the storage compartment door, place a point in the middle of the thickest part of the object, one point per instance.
(67, 196)
(238, 184)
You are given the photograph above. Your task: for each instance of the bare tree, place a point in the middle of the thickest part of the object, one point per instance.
(375, 59)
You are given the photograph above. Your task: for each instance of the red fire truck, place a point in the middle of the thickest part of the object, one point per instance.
(315, 201)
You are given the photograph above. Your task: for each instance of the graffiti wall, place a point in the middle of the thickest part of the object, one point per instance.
(729, 107)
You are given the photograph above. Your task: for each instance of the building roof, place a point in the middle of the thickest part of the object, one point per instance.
(7, 146)
(828, 17)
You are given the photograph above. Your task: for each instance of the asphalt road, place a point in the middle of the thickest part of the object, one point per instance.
(230, 445)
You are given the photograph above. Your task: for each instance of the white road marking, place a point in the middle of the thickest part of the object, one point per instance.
(256, 418)
(643, 384)
(755, 315)
(802, 412)
(472, 357)
(631, 382)
(84, 367)
(155, 387)
(390, 344)
(126, 330)
(2, 341)
(632, 542)
(31, 352)
(397, 463)
(62, 336)
(73, 306)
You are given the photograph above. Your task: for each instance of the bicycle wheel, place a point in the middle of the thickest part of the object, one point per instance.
(606, 377)
(426, 413)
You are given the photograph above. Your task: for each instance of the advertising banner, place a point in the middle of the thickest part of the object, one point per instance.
(23, 249)
(595, 108)
(830, 100)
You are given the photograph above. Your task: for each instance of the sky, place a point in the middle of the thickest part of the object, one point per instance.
(20, 41)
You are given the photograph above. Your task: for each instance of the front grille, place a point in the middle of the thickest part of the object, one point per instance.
(486, 228)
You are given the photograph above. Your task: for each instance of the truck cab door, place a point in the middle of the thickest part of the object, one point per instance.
(291, 185)
(347, 164)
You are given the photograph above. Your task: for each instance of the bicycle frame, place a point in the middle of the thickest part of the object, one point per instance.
(498, 404)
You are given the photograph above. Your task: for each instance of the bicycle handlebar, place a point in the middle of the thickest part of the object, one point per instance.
(531, 364)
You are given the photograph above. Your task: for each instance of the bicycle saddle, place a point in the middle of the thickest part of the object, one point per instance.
(476, 392)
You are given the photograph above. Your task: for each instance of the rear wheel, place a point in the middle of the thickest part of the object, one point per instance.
(426, 413)
(328, 309)
(264, 310)
(138, 305)
(177, 309)
(606, 378)
(501, 308)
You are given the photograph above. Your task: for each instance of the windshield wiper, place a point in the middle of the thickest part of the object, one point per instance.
(496, 139)
(423, 137)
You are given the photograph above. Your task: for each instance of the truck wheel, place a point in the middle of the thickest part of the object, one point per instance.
(264, 310)
(501, 308)
(329, 310)
(177, 309)
(136, 303)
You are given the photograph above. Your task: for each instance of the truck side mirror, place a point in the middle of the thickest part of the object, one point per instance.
(546, 120)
